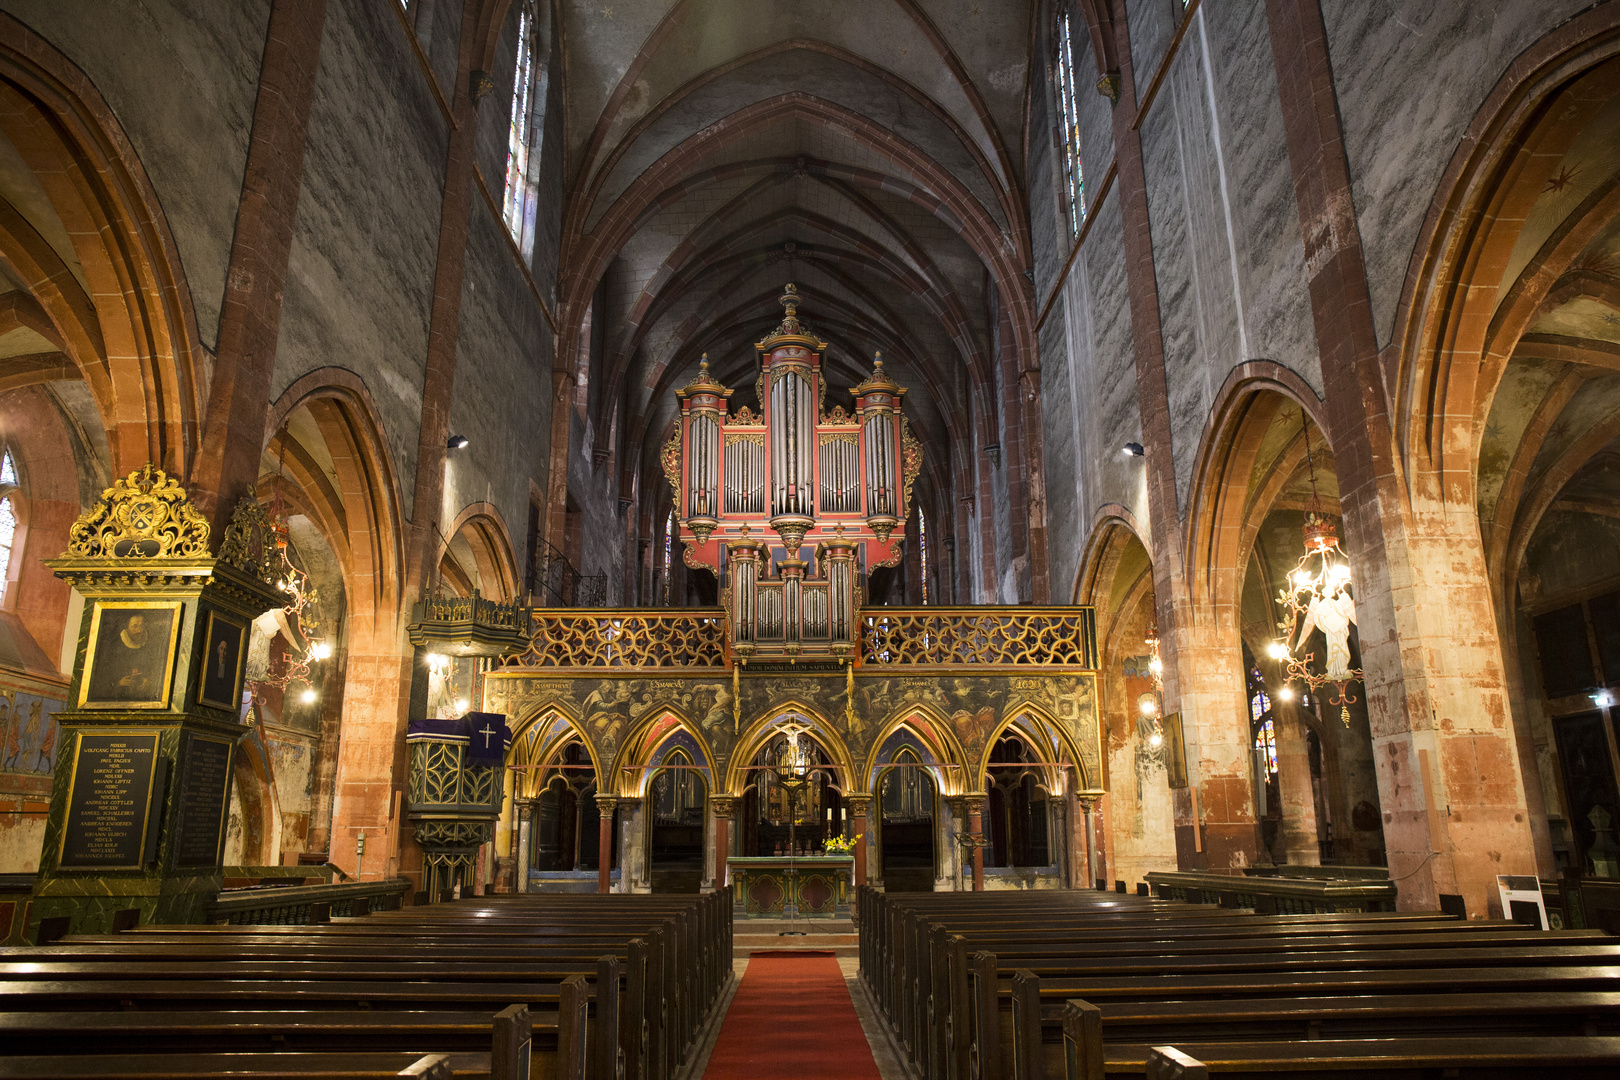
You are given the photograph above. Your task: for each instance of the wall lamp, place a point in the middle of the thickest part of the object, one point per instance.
(457, 442)
(1133, 449)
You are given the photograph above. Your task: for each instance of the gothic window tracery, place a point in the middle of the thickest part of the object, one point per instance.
(8, 516)
(1074, 186)
(517, 209)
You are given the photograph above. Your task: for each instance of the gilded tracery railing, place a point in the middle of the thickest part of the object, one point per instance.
(980, 637)
(635, 638)
(909, 638)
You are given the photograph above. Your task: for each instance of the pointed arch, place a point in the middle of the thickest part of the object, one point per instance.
(538, 738)
(125, 320)
(928, 729)
(1036, 724)
(651, 742)
(762, 730)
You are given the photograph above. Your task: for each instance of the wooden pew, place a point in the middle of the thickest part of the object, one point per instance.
(1119, 1036)
(1564, 1059)
(268, 1066)
(633, 1011)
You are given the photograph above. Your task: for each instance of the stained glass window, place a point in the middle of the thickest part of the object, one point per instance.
(1265, 741)
(519, 140)
(669, 544)
(8, 515)
(1069, 106)
(922, 550)
(1259, 704)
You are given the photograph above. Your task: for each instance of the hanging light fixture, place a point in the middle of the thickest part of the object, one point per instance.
(1317, 596)
(301, 613)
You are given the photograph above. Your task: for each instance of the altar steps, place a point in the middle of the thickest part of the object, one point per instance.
(765, 935)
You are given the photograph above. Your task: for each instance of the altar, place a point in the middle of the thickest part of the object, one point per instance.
(776, 886)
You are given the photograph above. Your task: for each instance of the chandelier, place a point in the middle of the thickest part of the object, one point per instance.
(1317, 596)
(300, 616)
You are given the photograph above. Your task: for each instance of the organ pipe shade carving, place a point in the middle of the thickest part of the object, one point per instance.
(791, 507)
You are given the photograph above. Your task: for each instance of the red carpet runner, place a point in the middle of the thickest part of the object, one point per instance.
(792, 1020)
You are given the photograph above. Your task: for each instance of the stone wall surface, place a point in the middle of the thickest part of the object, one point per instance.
(1410, 79)
(190, 127)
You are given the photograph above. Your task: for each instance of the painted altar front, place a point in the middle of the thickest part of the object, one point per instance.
(775, 886)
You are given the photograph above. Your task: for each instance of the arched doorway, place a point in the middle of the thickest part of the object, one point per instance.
(567, 837)
(909, 806)
(677, 801)
(1017, 810)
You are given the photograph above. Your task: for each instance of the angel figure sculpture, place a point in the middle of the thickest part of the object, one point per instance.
(1333, 614)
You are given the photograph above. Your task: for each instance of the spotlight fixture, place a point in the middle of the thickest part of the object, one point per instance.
(457, 442)
(1133, 449)
(1603, 699)
(309, 696)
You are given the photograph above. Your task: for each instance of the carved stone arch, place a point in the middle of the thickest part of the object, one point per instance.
(130, 329)
(1457, 320)
(361, 516)
(490, 542)
(1057, 739)
(950, 759)
(638, 755)
(763, 729)
(536, 739)
(1225, 506)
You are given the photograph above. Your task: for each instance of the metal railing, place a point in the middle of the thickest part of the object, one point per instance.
(553, 582)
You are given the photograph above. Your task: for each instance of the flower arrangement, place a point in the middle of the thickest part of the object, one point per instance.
(841, 845)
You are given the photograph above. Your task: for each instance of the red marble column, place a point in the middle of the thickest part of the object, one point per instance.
(859, 807)
(725, 808)
(975, 812)
(605, 805)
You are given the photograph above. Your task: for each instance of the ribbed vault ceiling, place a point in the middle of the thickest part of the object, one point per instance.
(866, 151)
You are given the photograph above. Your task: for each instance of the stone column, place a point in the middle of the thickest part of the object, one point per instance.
(605, 805)
(1300, 846)
(632, 837)
(859, 807)
(725, 808)
(974, 805)
(1088, 879)
(520, 871)
(1450, 785)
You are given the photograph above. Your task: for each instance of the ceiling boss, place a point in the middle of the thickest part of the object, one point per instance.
(754, 492)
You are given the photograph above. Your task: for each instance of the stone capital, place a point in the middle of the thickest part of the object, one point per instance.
(724, 806)
(606, 804)
(859, 805)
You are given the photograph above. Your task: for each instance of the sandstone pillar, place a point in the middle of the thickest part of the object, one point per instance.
(1299, 840)
(1452, 794)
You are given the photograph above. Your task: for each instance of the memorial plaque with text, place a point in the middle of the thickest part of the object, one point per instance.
(108, 801)
(204, 792)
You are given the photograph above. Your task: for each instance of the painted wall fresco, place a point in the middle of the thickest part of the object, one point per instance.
(615, 708)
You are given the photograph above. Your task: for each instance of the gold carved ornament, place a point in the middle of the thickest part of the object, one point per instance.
(145, 515)
(941, 637)
(670, 458)
(911, 456)
(631, 638)
(249, 543)
(755, 437)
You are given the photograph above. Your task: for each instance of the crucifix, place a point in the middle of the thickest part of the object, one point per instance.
(486, 731)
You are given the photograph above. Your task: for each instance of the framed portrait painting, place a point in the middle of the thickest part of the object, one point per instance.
(130, 663)
(224, 653)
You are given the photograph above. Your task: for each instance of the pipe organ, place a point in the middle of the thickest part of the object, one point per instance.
(752, 492)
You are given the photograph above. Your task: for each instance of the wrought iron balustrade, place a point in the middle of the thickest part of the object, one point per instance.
(552, 581)
(979, 637)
